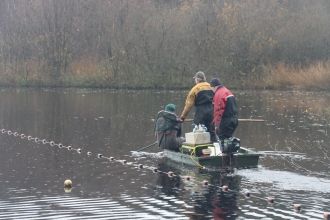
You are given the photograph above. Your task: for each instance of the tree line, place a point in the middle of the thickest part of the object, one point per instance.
(157, 43)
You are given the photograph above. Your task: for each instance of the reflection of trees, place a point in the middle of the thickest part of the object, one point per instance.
(206, 201)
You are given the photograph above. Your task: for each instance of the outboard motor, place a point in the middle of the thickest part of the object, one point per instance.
(231, 145)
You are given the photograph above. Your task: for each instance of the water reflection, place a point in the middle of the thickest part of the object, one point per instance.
(202, 201)
(117, 123)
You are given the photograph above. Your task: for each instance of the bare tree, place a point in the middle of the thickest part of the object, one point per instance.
(53, 22)
(143, 43)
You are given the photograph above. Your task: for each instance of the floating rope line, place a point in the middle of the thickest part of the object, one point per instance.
(70, 148)
(205, 183)
(156, 170)
(100, 156)
(139, 166)
(36, 139)
(89, 153)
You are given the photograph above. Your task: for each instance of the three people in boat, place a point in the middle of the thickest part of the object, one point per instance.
(225, 110)
(200, 96)
(215, 107)
(168, 130)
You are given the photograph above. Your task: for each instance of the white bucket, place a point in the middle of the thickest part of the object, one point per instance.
(215, 150)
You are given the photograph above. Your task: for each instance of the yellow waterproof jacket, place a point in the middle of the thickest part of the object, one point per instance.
(200, 94)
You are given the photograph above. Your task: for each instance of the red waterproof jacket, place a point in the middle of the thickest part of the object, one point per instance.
(225, 112)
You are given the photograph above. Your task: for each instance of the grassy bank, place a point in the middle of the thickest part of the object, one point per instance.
(86, 73)
(312, 77)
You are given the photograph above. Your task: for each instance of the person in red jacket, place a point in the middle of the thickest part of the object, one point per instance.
(225, 110)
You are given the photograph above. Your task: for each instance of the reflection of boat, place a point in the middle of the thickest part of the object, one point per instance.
(197, 200)
(243, 158)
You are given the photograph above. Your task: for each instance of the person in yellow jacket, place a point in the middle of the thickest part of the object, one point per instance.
(200, 96)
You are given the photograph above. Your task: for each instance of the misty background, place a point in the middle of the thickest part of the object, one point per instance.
(158, 43)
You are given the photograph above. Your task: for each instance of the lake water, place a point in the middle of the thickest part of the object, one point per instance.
(293, 168)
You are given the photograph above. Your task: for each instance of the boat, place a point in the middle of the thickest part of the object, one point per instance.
(210, 155)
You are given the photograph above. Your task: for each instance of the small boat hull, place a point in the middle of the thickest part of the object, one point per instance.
(244, 158)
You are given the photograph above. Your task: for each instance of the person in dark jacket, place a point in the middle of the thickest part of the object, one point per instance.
(225, 110)
(168, 130)
(201, 97)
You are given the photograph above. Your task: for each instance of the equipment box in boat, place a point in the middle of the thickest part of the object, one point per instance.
(197, 137)
(195, 150)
